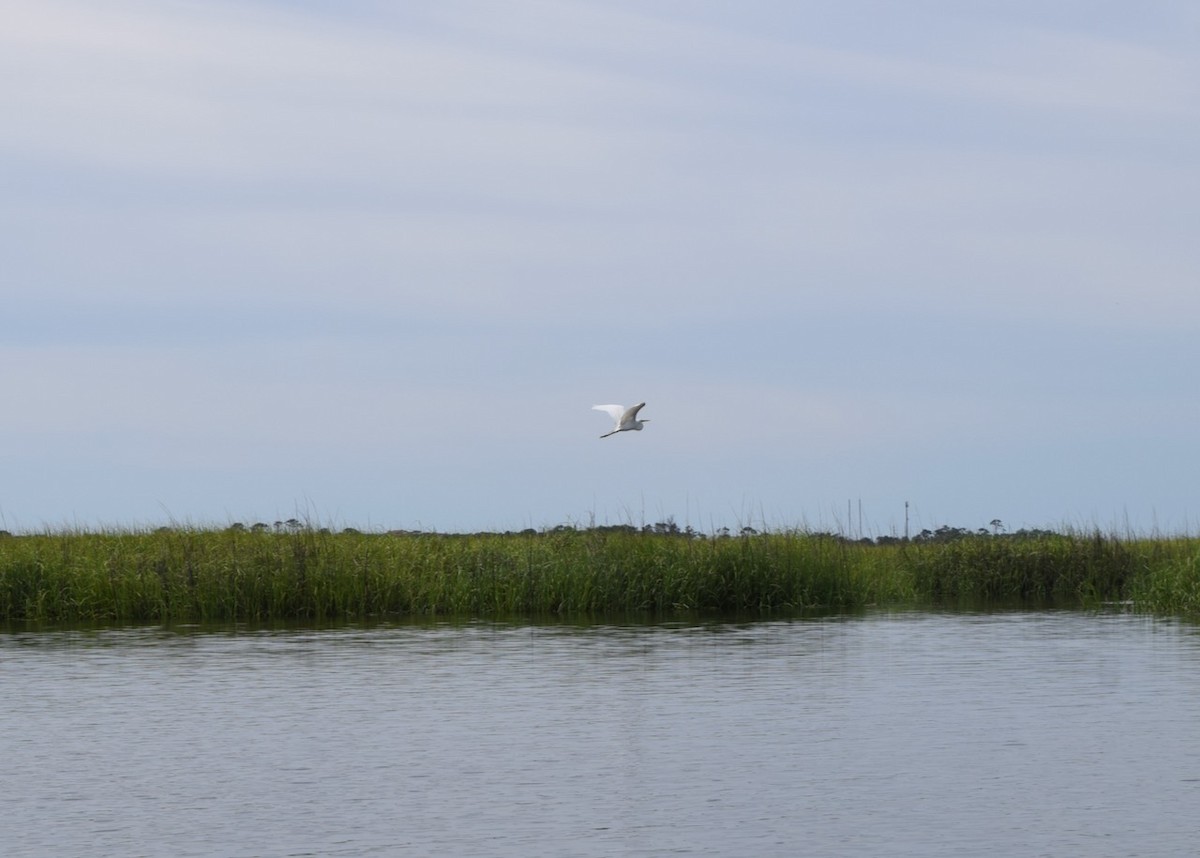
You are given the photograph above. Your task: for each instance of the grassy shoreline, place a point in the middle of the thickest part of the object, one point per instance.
(234, 574)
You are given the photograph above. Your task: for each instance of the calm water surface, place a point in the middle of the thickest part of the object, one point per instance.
(922, 734)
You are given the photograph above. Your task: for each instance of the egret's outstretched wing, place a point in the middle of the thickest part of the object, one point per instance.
(613, 411)
(631, 415)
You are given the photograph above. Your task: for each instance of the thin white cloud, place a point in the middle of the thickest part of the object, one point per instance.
(220, 91)
(213, 90)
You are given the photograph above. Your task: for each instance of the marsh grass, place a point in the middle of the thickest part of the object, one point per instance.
(209, 575)
(1088, 567)
(1171, 586)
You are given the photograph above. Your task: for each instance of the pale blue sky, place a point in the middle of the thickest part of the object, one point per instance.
(372, 263)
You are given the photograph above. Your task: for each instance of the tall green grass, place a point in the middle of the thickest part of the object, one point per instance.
(1171, 586)
(1046, 566)
(202, 575)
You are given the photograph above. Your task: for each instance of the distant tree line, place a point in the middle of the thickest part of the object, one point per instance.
(670, 528)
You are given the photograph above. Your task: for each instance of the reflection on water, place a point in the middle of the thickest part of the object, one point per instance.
(921, 734)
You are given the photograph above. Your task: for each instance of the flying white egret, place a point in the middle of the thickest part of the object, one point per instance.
(626, 417)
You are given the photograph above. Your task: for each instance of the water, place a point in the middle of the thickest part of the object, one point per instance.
(922, 734)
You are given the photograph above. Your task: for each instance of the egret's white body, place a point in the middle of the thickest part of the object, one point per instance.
(626, 417)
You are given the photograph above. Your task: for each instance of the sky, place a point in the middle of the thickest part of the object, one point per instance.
(370, 264)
